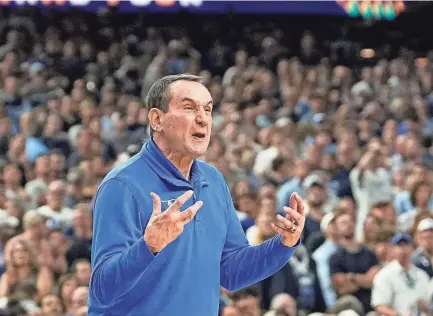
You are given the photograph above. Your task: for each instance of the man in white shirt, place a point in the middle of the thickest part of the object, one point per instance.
(400, 288)
(55, 208)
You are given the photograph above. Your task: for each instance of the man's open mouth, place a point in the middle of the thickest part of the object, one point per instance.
(199, 135)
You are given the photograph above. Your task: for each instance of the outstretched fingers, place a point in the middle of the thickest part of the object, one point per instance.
(187, 216)
(175, 207)
(156, 204)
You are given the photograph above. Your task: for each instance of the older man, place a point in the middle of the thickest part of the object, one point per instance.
(166, 234)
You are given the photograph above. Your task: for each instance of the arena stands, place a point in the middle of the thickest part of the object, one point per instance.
(339, 110)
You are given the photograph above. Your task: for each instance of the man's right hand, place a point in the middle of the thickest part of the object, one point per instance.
(165, 227)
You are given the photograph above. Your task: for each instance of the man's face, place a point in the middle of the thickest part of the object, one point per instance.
(186, 126)
(402, 252)
(51, 305)
(345, 226)
(83, 272)
(425, 239)
(249, 306)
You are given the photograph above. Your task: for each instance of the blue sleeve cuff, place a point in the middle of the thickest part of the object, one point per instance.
(285, 247)
(142, 253)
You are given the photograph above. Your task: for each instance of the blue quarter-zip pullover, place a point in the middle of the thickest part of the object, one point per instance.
(184, 278)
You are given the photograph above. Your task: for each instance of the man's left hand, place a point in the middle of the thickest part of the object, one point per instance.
(291, 226)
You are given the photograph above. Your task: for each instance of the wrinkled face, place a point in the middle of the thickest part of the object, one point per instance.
(186, 126)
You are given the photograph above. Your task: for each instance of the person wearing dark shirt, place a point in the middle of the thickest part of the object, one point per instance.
(352, 266)
(316, 197)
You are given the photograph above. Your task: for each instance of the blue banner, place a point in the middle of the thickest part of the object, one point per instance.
(351, 8)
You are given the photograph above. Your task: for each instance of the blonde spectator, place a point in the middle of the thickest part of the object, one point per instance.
(23, 268)
(35, 236)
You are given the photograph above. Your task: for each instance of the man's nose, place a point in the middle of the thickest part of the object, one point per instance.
(201, 118)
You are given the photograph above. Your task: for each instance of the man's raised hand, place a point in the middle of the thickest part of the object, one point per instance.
(165, 227)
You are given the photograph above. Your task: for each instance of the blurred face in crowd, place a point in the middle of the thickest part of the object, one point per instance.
(425, 241)
(56, 195)
(84, 141)
(17, 145)
(422, 195)
(20, 255)
(231, 311)
(371, 228)
(302, 168)
(186, 126)
(248, 305)
(346, 226)
(51, 305)
(79, 297)
(56, 240)
(402, 252)
(316, 195)
(37, 229)
(268, 205)
(267, 190)
(5, 126)
(83, 271)
(81, 219)
(42, 166)
(68, 289)
(12, 175)
(57, 162)
(412, 148)
(285, 303)
(263, 222)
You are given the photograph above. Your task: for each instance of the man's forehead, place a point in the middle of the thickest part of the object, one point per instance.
(192, 90)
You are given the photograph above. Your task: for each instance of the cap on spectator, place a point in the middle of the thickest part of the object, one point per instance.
(425, 224)
(326, 220)
(31, 217)
(313, 180)
(401, 237)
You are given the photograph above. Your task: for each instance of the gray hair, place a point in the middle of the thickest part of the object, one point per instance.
(158, 96)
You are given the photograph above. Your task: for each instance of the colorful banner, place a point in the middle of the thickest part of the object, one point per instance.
(360, 8)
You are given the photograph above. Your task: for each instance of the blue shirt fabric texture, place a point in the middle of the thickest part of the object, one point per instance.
(184, 278)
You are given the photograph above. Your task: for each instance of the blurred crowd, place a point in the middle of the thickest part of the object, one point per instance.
(354, 140)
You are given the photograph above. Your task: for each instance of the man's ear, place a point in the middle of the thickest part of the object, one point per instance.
(155, 119)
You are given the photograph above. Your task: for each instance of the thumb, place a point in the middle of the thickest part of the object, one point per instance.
(156, 204)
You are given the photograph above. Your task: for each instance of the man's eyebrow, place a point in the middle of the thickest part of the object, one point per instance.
(194, 101)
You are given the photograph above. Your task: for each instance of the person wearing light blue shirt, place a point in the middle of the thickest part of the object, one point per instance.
(322, 255)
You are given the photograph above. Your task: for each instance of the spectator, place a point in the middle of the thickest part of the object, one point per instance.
(54, 209)
(248, 301)
(51, 305)
(423, 255)
(402, 277)
(353, 266)
(322, 255)
(23, 268)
